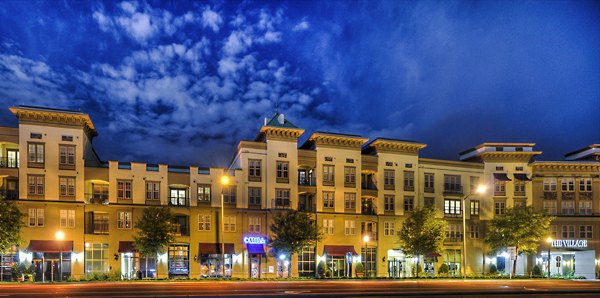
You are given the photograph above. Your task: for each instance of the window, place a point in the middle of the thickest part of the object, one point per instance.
(567, 207)
(520, 203)
(429, 182)
(36, 217)
(254, 169)
(519, 187)
(452, 184)
(204, 222)
(67, 186)
(474, 181)
(124, 220)
(282, 198)
(585, 232)
(67, 138)
(229, 223)
(96, 258)
(388, 228)
(350, 175)
(254, 224)
(499, 187)
(553, 231)
(67, 218)
(585, 184)
(550, 207)
(453, 232)
(499, 208)
(388, 203)
(474, 231)
(452, 207)
(409, 204)
(429, 202)
(124, 189)
(35, 184)
(549, 184)
(409, 180)
(152, 190)
(389, 179)
(568, 232)
(350, 200)
(34, 135)
(567, 184)
(254, 195)
(328, 199)
(181, 223)
(100, 223)
(349, 227)
(585, 207)
(328, 226)
(282, 171)
(474, 208)
(328, 175)
(230, 194)
(66, 155)
(306, 262)
(35, 152)
(204, 193)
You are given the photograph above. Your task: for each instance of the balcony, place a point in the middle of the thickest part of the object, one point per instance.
(280, 203)
(96, 198)
(520, 194)
(568, 195)
(453, 237)
(453, 190)
(585, 195)
(306, 183)
(499, 193)
(372, 237)
(550, 195)
(179, 201)
(9, 162)
(306, 203)
(9, 194)
(368, 207)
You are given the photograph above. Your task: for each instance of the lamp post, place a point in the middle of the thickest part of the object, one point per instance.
(60, 236)
(366, 240)
(549, 240)
(480, 189)
(224, 183)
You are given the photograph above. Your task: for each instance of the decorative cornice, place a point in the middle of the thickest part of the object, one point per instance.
(516, 156)
(281, 133)
(55, 117)
(395, 146)
(565, 166)
(334, 140)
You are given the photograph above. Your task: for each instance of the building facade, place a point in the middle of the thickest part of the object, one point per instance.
(353, 187)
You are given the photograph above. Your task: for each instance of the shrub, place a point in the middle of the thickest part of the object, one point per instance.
(359, 268)
(322, 269)
(536, 271)
(444, 269)
(493, 269)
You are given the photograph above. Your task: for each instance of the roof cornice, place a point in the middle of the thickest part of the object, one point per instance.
(55, 117)
(337, 140)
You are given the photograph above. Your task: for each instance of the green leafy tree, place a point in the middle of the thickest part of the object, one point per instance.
(155, 230)
(11, 222)
(292, 231)
(422, 233)
(522, 228)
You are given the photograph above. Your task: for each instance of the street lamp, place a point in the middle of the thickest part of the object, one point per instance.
(224, 183)
(549, 240)
(366, 240)
(480, 189)
(60, 236)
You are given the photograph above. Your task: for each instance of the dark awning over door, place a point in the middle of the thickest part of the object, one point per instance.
(50, 246)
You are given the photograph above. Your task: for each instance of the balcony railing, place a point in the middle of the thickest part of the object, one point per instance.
(368, 210)
(306, 207)
(96, 198)
(585, 195)
(453, 189)
(453, 237)
(9, 194)
(372, 236)
(9, 162)
(550, 195)
(179, 201)
(307, 182)
(280, 203)
(568, 195)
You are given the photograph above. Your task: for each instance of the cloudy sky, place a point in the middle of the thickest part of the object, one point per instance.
(182, 82)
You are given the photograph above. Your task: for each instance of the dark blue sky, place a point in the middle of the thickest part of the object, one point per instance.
(183, 82)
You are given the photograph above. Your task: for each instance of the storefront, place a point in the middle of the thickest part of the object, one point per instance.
(255, 246)
(179, 260)
(568, 258)
(129, 267)
(339, 259)
(209, 256)
(51, 259)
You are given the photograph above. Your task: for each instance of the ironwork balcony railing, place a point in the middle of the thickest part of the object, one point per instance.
(453, 189)
(9, 162)
(179, 201)
(96, 198)
(9, 194)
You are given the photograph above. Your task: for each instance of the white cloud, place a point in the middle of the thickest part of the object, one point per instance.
(237, 42)
(211, 19)
(304, 25)
(138, 25)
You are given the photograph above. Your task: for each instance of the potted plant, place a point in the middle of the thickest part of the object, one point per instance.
(444, 269)
(17, 273)
(359, 269)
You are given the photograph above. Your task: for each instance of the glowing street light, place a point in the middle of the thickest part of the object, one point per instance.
(479, 189)
(549, 240)
(224, 183)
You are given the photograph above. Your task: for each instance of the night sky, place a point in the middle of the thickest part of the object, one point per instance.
(182, 82)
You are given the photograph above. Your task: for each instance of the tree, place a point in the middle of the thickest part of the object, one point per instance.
(155, 231)
(292, 231)
(422, 233)
(11, 222)
(522, 228)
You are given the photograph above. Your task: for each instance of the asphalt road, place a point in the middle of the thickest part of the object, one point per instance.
(331, 288)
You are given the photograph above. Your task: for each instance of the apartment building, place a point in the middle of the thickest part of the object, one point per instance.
(353, 187)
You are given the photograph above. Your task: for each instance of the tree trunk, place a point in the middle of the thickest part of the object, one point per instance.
(417, 267)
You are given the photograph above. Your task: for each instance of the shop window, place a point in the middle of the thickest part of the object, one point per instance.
(306, 262)
(179, 263)
(96, 258)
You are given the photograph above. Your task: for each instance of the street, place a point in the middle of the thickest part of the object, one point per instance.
(346, 288)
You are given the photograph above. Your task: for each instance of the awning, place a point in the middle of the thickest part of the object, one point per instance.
(522, 177)
(126, 246)
(215, 249)
(256, 249)
(433, 254)
(501, 177)
(339, 250)
(50, 246)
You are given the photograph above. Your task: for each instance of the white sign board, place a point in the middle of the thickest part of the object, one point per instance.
(569, 243)
(512, 252)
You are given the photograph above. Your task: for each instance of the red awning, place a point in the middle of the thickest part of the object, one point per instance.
(339, 250)
(126, 246)
(501, 177)
(215, 248)
(50, 246)
(433, 254)
(522, 177)
(258, 249)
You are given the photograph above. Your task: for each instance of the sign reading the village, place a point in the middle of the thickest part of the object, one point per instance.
(254, 240)
(569, 243)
